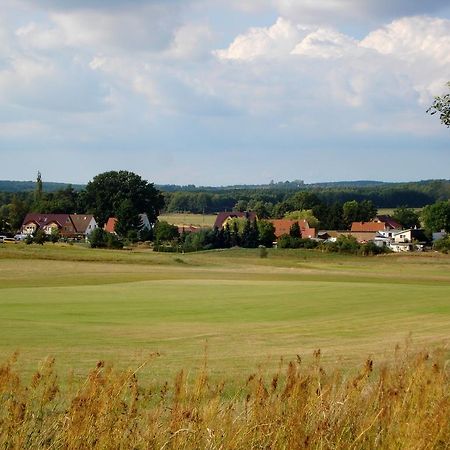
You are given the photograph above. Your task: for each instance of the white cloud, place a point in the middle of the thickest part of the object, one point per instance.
(409, 38)
(325, 43)
(280, 38)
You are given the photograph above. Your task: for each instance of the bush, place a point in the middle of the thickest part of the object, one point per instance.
(100, 238)
(112, 241)
(442, 245)
(164, 232)
(287, 241)
(40, 237)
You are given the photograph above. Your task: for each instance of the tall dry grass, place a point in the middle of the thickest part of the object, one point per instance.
(403, 405)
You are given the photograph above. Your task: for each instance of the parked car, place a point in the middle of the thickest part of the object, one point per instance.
(2, 238)
(20, 237)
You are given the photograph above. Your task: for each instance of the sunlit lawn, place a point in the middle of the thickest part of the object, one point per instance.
(82, 305)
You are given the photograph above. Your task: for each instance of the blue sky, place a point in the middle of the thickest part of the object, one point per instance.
(216, 92)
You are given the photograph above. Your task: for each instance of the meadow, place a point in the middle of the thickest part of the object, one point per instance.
(222, 349)
(238, 310)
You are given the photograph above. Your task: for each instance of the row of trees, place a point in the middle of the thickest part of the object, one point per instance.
(265, 201)
(242, 233)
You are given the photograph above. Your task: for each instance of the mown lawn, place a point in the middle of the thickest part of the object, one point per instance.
(82, 305)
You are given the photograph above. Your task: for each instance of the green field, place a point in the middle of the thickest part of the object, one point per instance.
(187, 219)
(82, 305)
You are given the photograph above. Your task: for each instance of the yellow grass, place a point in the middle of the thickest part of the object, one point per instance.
(404, 405)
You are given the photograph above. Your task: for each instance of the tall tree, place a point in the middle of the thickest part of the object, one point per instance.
(406, 217)
(37, 205)
(436, 217)
(113, 193)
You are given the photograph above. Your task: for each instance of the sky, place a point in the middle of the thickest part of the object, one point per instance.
(220, 92)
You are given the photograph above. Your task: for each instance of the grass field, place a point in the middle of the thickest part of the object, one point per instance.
(200, 220)
(82, 305)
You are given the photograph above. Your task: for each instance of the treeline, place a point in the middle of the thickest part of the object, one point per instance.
(333, 208)
(27, 186)
(412, 195)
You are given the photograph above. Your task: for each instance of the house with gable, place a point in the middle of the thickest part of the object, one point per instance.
(409, 240)
(48, 222)
(68, 225)
(110, 225)
(84, 224)
(283, 226)
(225, 217)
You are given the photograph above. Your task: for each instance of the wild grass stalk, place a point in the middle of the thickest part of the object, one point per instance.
(404, 404)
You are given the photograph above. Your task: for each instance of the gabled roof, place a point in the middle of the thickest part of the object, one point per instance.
(110, 225)
(283, 226)
(389, 221)
(44, 219)
(371, 227)
(81, 221)
(222, 217)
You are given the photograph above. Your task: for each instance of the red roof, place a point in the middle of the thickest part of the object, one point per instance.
(368, 226)
(283, 226)
(389, 221)
(110, 225)
(222, 217)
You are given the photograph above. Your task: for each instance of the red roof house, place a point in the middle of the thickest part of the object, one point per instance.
(110, 225)
(283, 226)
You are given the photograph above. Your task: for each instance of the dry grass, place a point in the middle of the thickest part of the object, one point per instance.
(188, 219)
(403, 405)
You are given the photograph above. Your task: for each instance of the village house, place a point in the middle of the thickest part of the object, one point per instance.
(68, 225)
(283, 226)
(110, 225)
(225, 217)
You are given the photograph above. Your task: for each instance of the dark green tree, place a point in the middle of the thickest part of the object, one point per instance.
(295, 230)
(436, 217)
(266, 233)
(164, 232)
(37, 205)
(406, 217)
(98, 238)
(234, 235)
(40, 237)
(17, 212)
(353, 211)
(108, 194)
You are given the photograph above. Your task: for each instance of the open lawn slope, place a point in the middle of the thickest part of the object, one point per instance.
(81, 305)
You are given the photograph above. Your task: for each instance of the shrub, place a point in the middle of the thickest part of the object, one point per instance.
(98, 238)
(40, 237)
(442, 245)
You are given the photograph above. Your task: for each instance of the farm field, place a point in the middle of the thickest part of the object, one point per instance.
(181, 219)
(82, 305)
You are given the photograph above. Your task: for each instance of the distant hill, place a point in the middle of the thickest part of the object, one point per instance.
(24, 186)
(27, 186)
(280, 185)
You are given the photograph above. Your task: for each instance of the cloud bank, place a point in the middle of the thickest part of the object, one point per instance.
(168, 86)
